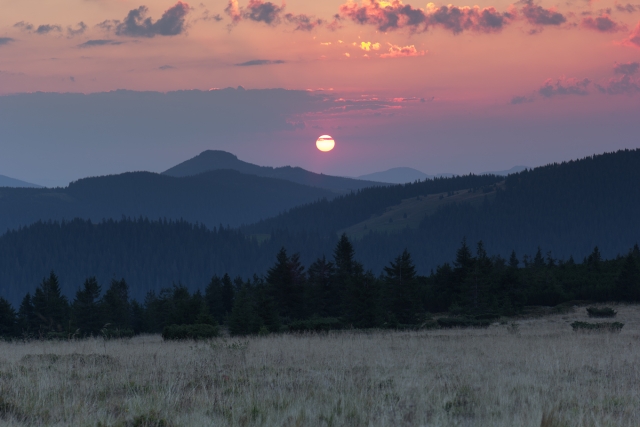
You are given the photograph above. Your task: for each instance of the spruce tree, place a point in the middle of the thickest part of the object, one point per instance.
(27, 323)
(8, 320)
(322, 288)
(628, 282)
(214, 300)
(50, 306)
(85, 309)
(116, 305)
(402, 289)
(244, 319)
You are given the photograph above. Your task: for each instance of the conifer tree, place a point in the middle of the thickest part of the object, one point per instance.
(362, 300)
(116, 305)
(244, 319)
(228, 296)
(628, 282)
(322, 286)
(214, 300)
(50, 306)
(86, 310)
(402, 289)
(8, 319)
(27, 323)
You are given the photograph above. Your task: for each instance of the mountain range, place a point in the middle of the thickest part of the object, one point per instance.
(216, 160)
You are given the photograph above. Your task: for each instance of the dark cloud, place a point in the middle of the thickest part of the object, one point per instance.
(624, 85)
(166, 67)
(303, 22)
(93, 43)
(259, 62)
(521, 100)
(630, 68)
(25, 26)
(602, 23)
(136, 24)
(385, 16)
(260, 11)
(537, 15)
(627, 8)
(395, 15)
(458, 19)
(564, 87)
(72, 79)
(80, 29)
(46, 29)
(5, 40)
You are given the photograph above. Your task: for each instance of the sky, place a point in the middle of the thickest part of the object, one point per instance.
(93, 87)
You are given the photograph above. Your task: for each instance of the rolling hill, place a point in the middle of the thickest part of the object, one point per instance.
(212, 198)
(216, 160)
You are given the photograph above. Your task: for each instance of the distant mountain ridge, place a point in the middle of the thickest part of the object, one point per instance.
(217, 160)
(212, 198)
(403, 175)
(6, 181)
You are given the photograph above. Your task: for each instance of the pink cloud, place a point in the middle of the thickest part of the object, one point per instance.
(634, 38)
(398, 51)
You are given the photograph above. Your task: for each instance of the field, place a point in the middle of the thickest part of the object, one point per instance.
(538, 373)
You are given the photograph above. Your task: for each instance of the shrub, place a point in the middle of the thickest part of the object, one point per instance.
(601, 312)
(190, 332)
(456, 322)
(317, 324)
(602, 326)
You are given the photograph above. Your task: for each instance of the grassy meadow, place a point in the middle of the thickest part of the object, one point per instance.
(527, 372)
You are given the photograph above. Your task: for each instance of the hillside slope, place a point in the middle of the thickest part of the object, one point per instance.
(215, 160)
(217, 197)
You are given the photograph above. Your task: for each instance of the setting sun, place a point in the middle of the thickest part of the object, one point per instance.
(325, 143)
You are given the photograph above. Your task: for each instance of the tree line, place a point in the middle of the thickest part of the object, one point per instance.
(332, 293)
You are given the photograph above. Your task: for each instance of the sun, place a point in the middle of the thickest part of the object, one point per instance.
(325, 143)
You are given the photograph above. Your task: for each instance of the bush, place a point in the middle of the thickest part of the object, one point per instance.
(317, 324)
(190, 332)
(456, 322)
(602, 326)
(601, 312)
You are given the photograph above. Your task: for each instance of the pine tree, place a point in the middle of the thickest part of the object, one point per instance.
(628, 282)
(323, 289)
(214, 300)
(50, 306)
(116, 306)
(362, 300)
(244, 319)
(85, 309)
(402, 289)
(228, 296)
(8, 319)
(513, 260)
(27, 323)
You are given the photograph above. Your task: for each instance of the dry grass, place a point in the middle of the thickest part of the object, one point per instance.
(538, 374)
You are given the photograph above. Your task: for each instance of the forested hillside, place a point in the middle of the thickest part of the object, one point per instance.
(329, 216)
(212, 198)
(562, 210)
